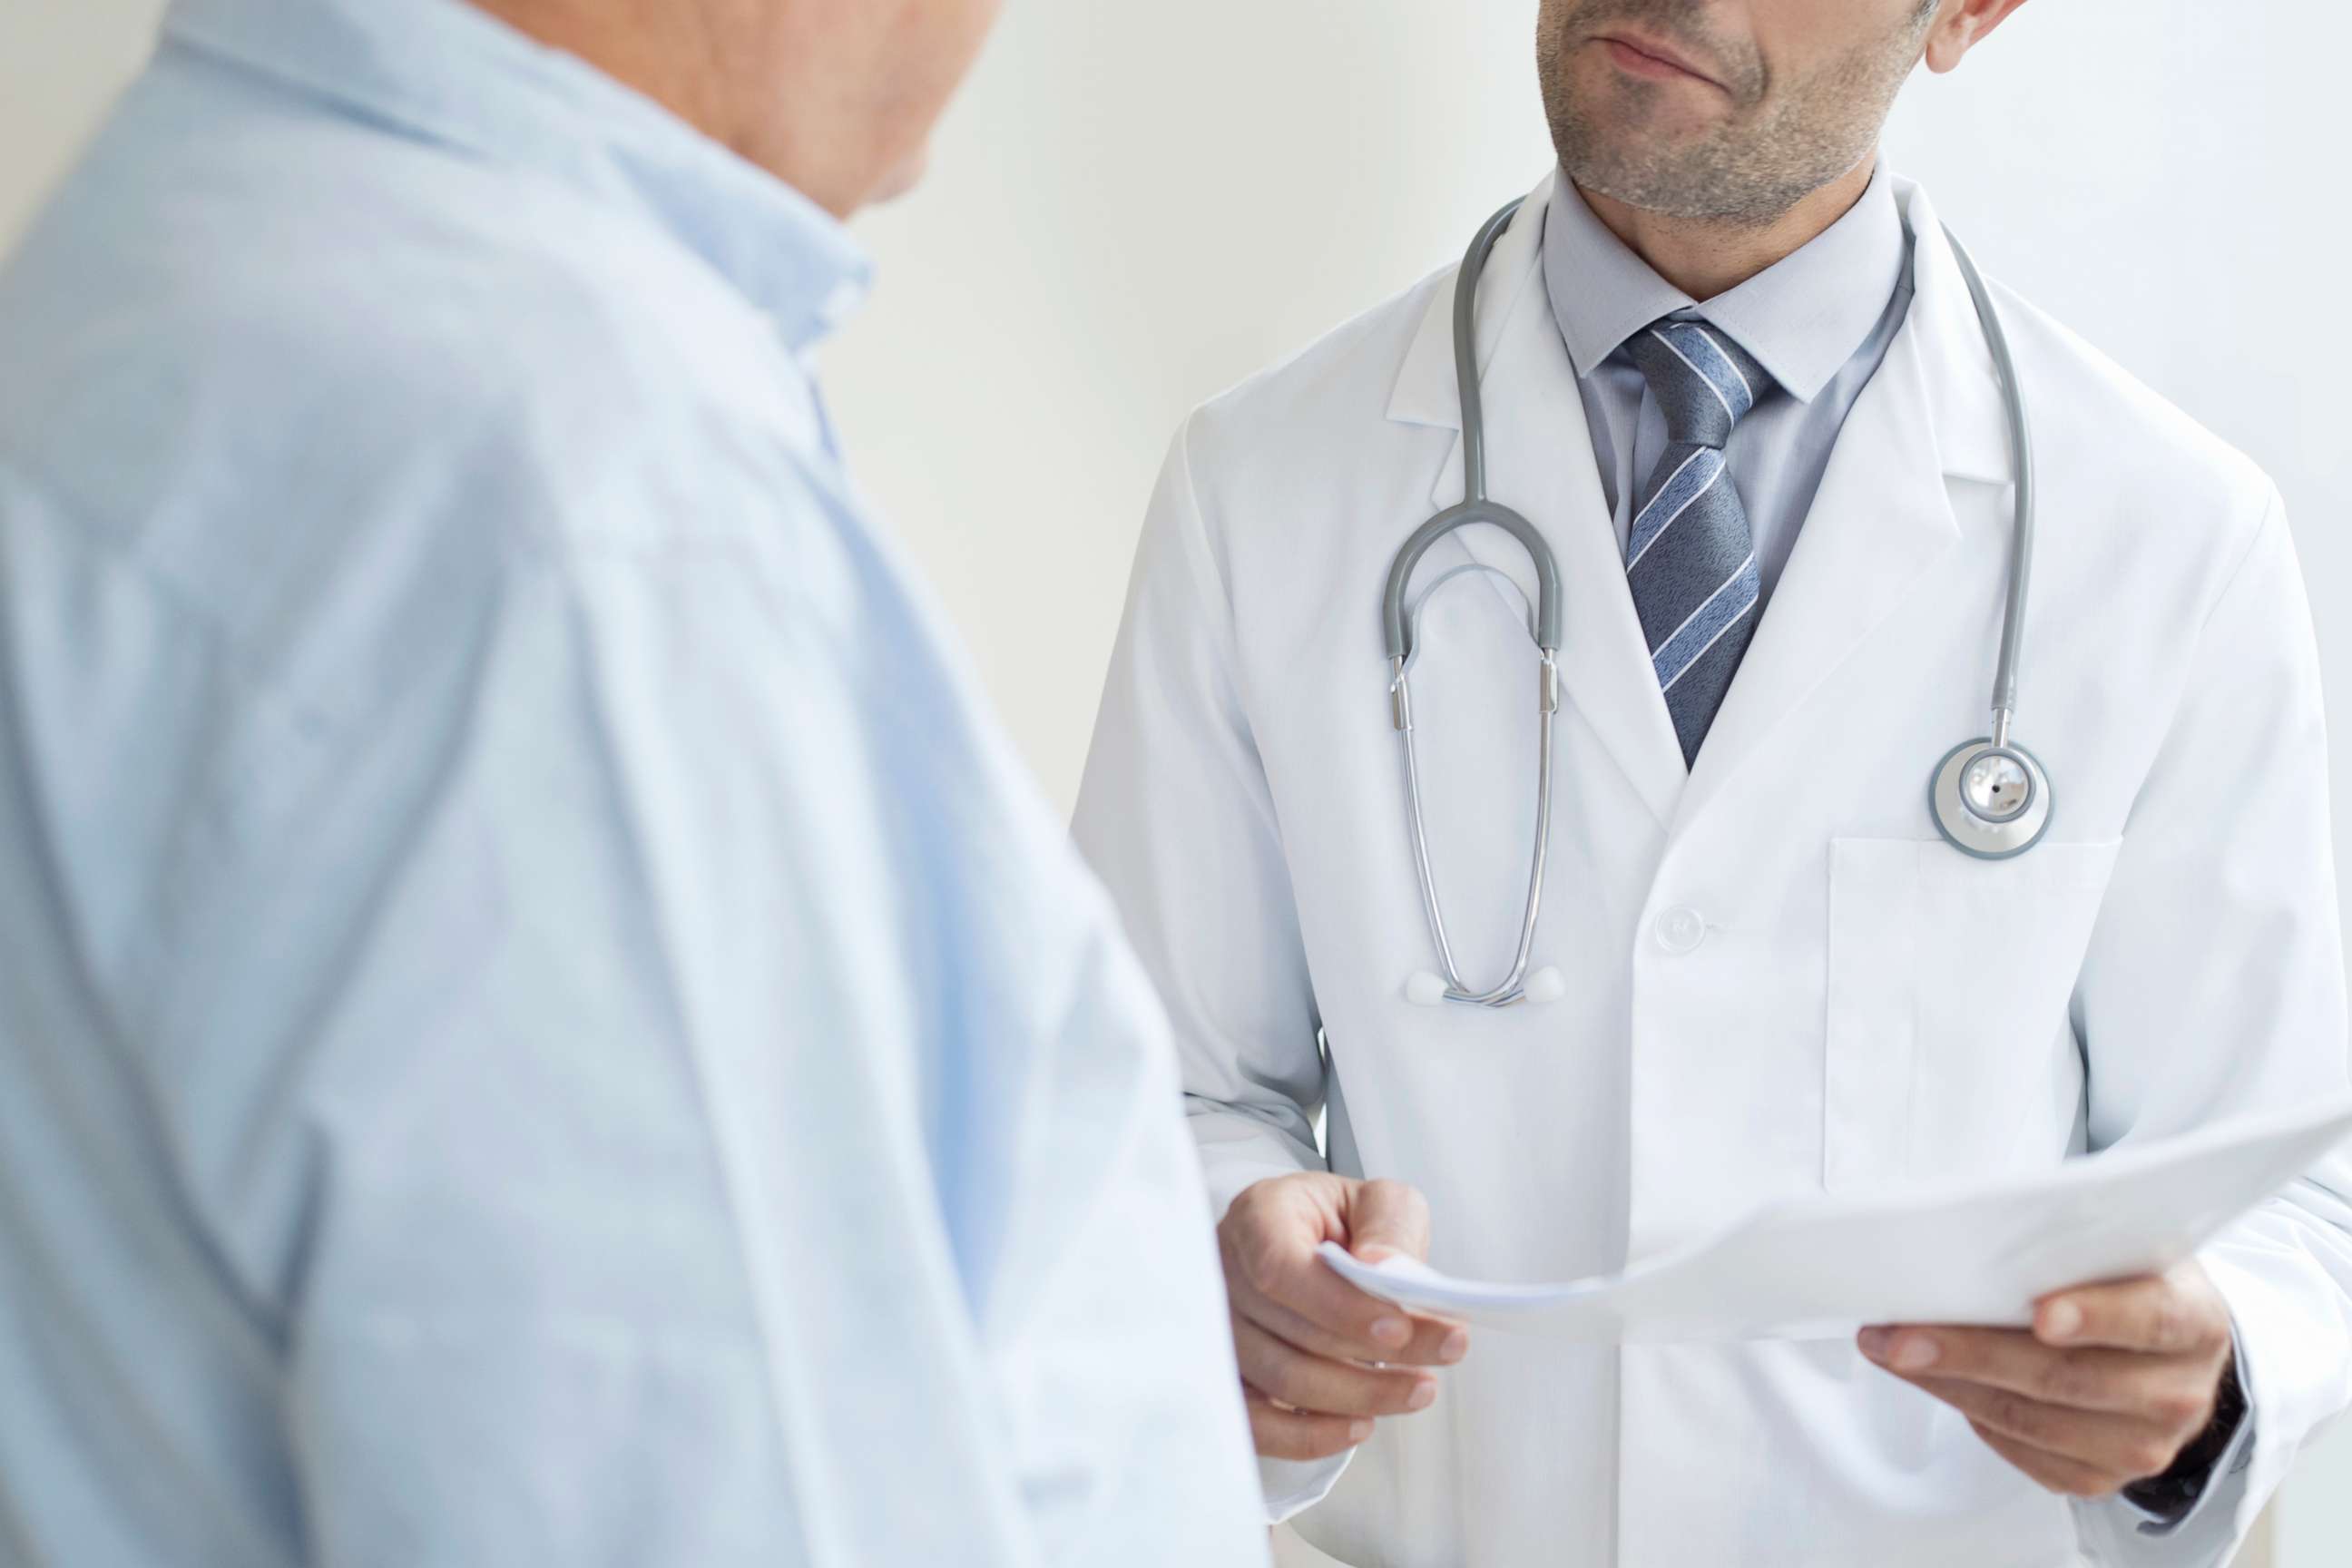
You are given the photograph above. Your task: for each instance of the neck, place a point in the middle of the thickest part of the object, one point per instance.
(659, 55)
(692, 60)
(1704, 258)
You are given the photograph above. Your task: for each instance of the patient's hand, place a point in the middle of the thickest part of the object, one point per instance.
(1320, 1359)
(2106, 1388)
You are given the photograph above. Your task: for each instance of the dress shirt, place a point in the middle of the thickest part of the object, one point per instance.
(541, 1021)
(1820, 320)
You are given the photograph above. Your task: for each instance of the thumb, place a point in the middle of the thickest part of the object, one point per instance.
(1385, 1218)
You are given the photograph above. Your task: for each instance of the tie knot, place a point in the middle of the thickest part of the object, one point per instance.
(1704, 381)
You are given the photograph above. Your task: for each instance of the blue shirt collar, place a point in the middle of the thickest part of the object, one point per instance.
(442, 70)
(1802, 318)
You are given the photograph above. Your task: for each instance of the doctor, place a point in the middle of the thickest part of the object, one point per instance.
(1732, 372)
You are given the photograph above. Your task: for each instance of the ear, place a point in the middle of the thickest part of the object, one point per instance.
(1961, 27)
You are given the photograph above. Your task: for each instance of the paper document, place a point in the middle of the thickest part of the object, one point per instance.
(1822, 1266)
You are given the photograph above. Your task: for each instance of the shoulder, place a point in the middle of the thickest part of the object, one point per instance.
(2140, 503)
(352, 315)
(1318, 406)
(2109, 432)
(326, 389)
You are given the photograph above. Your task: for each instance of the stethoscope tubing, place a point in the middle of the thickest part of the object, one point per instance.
(1972, 831)
(2021, 448)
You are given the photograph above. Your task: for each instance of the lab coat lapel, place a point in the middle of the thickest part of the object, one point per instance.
(1540, 464)
(1882, 516)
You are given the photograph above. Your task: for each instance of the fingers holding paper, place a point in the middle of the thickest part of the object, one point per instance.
(2107, 1388)
(1320, 1360)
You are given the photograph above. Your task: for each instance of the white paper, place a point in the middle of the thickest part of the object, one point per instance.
(1820, 1267)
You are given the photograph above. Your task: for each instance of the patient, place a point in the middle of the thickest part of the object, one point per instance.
(541, 1023)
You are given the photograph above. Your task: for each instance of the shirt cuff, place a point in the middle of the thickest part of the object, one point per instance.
(1294, 1486)
(2164, 1517)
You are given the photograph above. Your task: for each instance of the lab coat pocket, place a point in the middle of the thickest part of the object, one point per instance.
(1948, 1053)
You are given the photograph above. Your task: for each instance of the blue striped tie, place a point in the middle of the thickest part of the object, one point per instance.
(1689, 556)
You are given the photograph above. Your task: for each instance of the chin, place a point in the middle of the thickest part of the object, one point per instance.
(902, 177)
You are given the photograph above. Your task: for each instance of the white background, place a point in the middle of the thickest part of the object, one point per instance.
(1135, 205)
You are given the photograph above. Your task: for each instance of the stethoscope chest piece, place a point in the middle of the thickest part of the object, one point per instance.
(1989, 800)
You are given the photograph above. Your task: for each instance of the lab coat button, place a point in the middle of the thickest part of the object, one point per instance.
(1681, 930)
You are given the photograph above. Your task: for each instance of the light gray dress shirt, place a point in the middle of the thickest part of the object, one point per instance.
(1820, 320)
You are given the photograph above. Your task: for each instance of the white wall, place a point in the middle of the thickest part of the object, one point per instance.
(60, 63)
(1135, 205)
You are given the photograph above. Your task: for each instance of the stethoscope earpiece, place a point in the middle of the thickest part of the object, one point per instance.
(1427, 988)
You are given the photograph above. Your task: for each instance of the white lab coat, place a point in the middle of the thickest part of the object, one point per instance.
(1863, 1006)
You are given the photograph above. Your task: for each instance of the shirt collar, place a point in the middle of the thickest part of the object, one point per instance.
(443, 72)
(1802, 318)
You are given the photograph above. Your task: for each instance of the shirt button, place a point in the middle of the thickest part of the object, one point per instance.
(1681, 930)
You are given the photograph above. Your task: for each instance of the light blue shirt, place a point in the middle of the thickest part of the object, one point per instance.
(1820, 320)
(538, 1022)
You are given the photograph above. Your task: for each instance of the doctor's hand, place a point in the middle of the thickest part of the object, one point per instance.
(1320, 1359)
(2107, 1388)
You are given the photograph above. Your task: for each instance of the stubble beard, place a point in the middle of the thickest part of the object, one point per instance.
(1780, 142)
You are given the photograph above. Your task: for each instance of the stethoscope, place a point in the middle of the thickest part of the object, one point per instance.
(1989, 797)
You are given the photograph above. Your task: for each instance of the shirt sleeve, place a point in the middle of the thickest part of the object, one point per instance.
(2214, 986)
(2204, 1475)
(1177, 818)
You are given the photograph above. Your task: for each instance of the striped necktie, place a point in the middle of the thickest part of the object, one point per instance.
(1689, 557)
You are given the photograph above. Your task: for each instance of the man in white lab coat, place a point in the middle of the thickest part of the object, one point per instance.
(1732, 372)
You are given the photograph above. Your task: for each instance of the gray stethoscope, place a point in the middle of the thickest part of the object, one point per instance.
(1989, 797)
